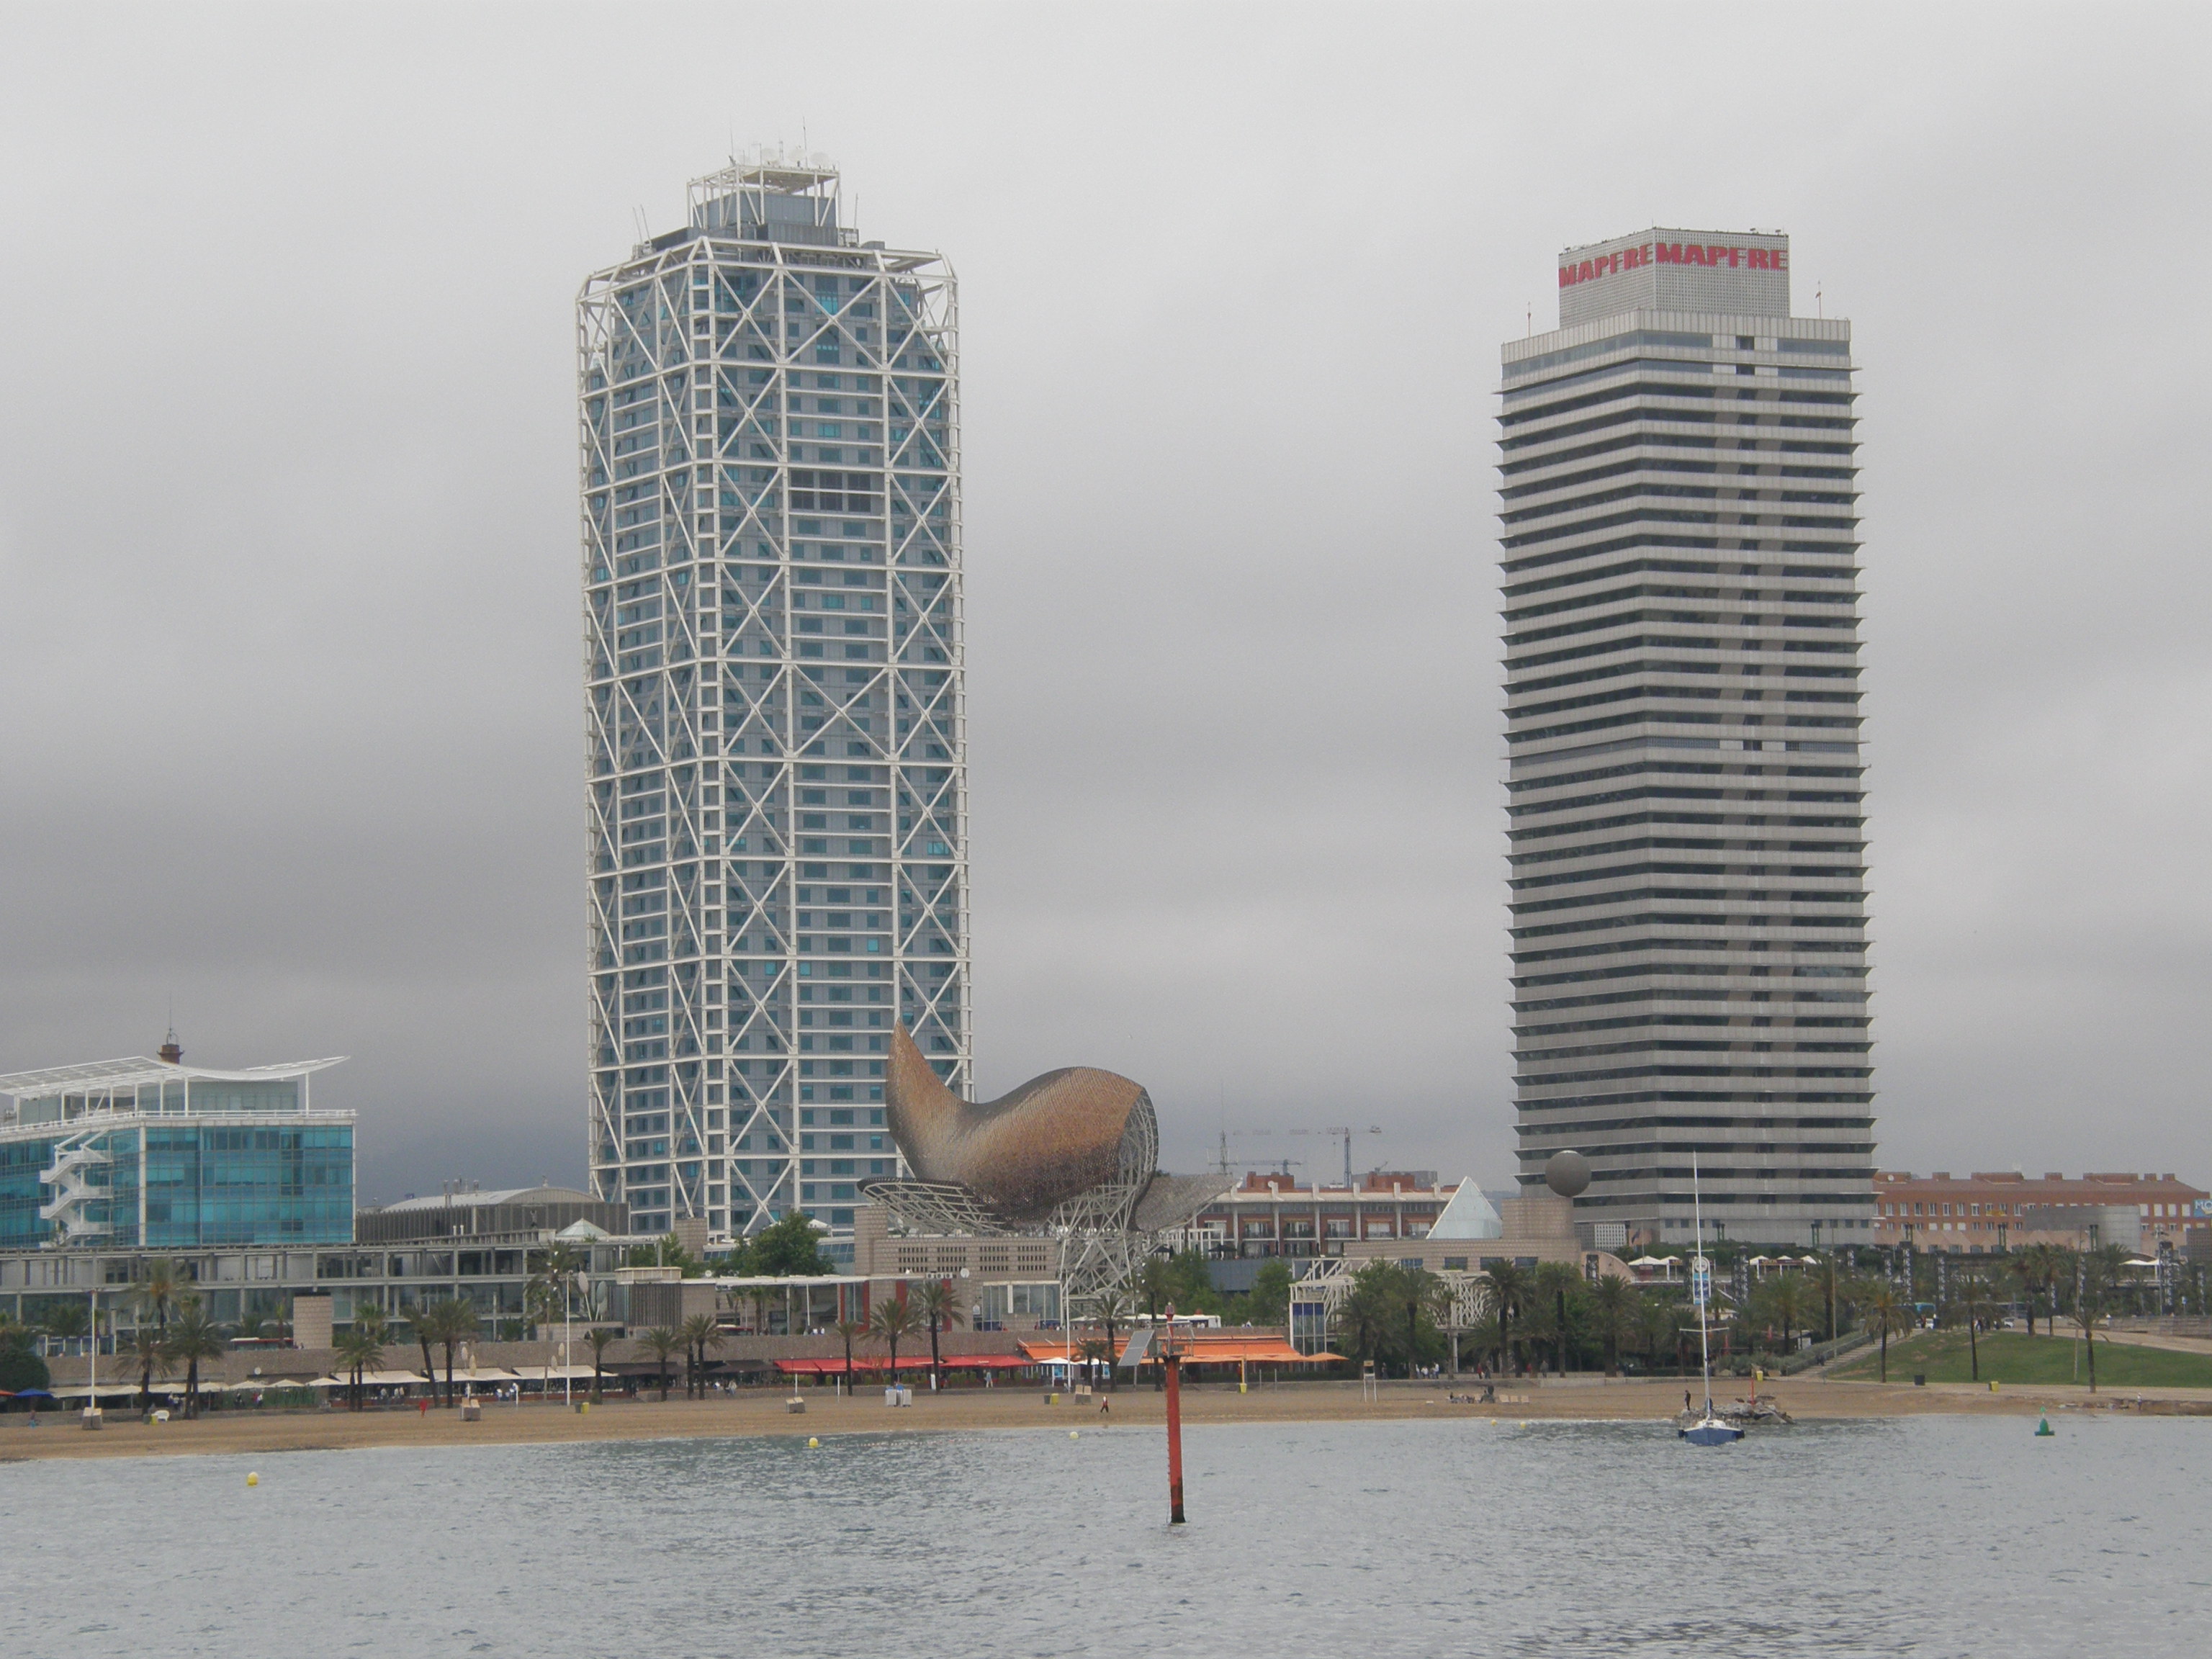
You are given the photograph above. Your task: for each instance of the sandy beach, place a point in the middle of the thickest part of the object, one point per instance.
(763, 1412)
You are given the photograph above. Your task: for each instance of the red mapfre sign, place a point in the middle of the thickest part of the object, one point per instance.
(1673, 253)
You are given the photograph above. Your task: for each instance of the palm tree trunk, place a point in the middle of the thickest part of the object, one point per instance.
(192, 1387)
(1973, 1350)
(936, 1365)
(1885, 1351)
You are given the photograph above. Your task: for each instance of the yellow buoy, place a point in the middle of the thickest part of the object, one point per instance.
(1073, 1433)
(253, 1479)
(813, 1442)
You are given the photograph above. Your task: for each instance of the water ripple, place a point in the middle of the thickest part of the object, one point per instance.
(1921, 1537)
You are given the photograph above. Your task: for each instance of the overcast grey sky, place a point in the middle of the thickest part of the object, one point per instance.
(289, 639)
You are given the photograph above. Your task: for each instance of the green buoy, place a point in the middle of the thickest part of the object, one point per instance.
(2042, 1428)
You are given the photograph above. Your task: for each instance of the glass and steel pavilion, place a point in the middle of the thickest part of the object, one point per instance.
(773, 659)
(153, 1154)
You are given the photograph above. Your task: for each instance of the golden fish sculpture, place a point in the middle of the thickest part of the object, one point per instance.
(1053, 1137)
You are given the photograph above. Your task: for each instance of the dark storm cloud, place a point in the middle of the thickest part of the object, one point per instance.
(288, 529)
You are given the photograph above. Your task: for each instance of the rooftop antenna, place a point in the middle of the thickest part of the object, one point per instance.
(1819, 301)
(1532, 319)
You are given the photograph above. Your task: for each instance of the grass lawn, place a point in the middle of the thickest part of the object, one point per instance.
(2016, 1356)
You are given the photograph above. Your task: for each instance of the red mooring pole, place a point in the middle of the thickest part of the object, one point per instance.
(1174, 1362)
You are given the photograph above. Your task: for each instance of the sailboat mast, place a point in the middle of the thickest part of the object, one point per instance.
(1703, 1291)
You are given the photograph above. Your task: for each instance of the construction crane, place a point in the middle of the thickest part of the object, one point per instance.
(1262, 1134)
(1346, 1134)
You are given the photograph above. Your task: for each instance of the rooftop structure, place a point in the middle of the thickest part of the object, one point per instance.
(1268, 1214)
(153, 1152)
(511, 1211)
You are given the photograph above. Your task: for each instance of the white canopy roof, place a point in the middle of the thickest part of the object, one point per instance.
(139, 1068)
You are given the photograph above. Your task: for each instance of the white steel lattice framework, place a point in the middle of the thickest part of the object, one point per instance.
(774, 705)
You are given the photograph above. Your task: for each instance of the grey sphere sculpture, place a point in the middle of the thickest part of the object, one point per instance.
(1567, 1174)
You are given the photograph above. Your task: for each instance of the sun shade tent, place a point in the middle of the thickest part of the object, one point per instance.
(965, 1362)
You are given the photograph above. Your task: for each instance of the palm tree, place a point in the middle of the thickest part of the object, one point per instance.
(597, 1339)
(1552, 1282)
(1156, 1284)
(1422, 1292)
(194, 1337)
(940, 1309)
(2097, 1277)
(1615, 1302)
(1659, 1323)
(361, 1348)
(1888, 1310)
(700, 1333)
(449, 1321)
(850, 1331)
(1095, 1351)
(65, 1321)
(1975, 1302)
(422, 1341)
(1510, 1289)
(1786, 1301)
(1829, 1283)
(2036, 1267)
(1114, 1310)
(660, 1342)
(1371, 1312)
(163, 1284)
(149, 1348)
(892, 1321)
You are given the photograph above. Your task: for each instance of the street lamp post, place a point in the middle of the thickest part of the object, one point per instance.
(91, 1417)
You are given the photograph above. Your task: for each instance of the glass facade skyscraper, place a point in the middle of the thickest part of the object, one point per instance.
(775, 750)
(1680, 536)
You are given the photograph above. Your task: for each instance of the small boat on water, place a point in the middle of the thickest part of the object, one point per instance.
(1709, 1429)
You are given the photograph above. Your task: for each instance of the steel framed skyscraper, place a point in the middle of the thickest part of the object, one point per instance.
(1680, 550)
(776, 748)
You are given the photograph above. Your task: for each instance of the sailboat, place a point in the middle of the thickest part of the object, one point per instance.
(1708, 1430)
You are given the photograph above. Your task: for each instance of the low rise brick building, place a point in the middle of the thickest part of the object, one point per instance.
(1993, 1210)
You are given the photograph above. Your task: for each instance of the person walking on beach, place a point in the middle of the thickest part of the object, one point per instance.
(1685, 1399)
(1105, 1408)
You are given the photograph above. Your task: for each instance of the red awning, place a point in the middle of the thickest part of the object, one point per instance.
(907, 1361)
(1208, 1350)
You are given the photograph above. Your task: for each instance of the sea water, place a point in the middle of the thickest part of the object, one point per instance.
(1915, 1536)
